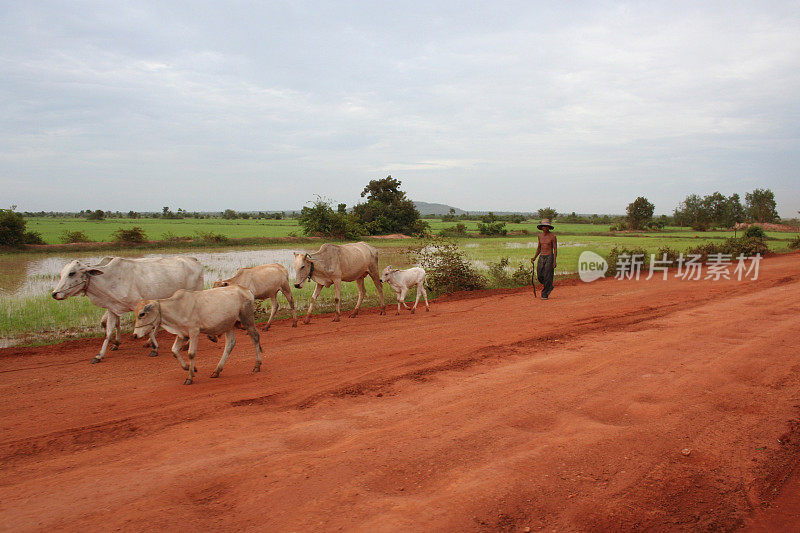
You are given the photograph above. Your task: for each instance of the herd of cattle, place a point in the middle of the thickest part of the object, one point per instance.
(168, 293)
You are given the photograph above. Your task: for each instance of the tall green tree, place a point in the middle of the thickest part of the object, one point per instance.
(387, 210)
(12, 230)
(97, 214)
(547, 212)
(320, 219)
(761, 206)
(692, 212)
(640, 212)
(734, 211)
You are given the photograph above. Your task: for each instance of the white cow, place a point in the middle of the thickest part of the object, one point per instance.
(187, 314)
(117, 284)
(402, 280)
(264, 282)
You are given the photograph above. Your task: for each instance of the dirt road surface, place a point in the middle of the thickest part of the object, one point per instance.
(633, 405)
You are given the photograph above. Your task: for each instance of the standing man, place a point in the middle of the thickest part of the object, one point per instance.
(547, 252)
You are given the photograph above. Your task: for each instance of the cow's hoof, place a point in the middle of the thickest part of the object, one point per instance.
(337, 319)
(95, 360)
(153, 353)
(215, 374)
(188, 381)
(306, 321)
(266, 328)
(383, 311)
(427, 309)
(413, 311)
(257, 368)
(294, 324)
(114, 346)
(354, 315)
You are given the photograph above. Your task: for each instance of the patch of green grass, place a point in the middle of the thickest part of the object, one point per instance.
(156, 229)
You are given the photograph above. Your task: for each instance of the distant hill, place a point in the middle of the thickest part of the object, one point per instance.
(426, 208)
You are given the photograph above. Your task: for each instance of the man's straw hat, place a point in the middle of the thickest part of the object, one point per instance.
(545, 222)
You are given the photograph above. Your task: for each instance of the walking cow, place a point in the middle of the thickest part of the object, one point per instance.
(264, 282)
(117, 284)
(187, 314)
(334, 263)
(402, 280)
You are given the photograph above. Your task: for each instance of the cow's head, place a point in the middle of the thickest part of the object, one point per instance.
(74, 278)
(303, 268)
(148, 318)
(220, 283)
(387, 272)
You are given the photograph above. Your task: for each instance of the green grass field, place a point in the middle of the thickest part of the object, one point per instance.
(51, 229)
(156, 229)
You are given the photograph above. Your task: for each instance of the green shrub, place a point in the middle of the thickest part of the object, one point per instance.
(211, 237)
(171, 237)
(755, 232)
(613, 258)
(498, 273)
(747, 246)
(671, 255)
(33, 237)
(321, 219)
(132, 235)
(447, 267)
(459, 230)
(420, 229)
(74, 236)
(12, 230)
(523, 274)
(794, 244)
(700, 226)
(492, 228)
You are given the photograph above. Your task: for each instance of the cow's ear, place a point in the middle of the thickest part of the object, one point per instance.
(95, 272)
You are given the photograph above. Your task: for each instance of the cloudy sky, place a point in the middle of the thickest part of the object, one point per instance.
(482, 105)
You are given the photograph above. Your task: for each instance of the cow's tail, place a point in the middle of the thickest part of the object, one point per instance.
(425, 282)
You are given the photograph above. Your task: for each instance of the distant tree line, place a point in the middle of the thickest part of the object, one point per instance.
(718, 211)
(166, 213)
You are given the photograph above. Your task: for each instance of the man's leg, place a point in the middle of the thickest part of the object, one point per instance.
(545, 274)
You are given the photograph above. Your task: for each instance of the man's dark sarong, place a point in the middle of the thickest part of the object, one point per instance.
(544, 272)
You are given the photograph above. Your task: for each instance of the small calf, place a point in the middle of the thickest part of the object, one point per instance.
(187, 314)
(402, 280)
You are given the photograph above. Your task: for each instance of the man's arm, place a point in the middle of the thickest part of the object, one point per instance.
(538, 249)
(555, 251)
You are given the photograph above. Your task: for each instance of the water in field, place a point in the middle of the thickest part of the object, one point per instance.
(533, 244)
(22, 278)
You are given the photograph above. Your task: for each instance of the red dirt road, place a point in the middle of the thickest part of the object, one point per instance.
(496, 412)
